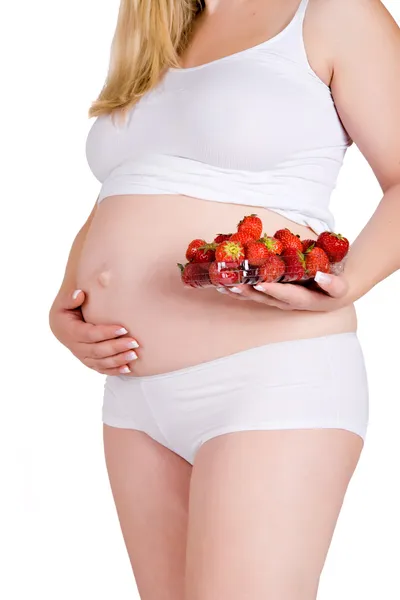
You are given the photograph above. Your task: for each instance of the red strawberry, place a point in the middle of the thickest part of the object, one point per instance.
(316, 260)
(228, 251)
(252, 225)
(193, 247)
(222, 237)
(205, 254)
(295, 265)
(228, 275)
(308, 244)
(257, 253)
(244, 237)
(193, 275)
(335, 245)
(289, 240)
(272, 270)
(273, 245)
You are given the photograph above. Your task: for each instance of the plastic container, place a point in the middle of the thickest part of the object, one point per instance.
(217, 274)
(281, 258)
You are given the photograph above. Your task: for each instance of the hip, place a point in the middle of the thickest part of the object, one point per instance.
(302, 384)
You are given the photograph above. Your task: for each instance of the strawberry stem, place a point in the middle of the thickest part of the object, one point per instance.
(211, 246)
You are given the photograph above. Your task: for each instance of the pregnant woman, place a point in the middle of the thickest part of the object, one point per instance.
(233, 422)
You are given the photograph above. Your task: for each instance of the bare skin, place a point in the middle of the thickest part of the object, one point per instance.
(146, 295)
(244, 484)
(150, 485)
(102, 347)
(263, 508)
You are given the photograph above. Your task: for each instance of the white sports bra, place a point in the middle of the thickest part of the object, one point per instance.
(256, 128)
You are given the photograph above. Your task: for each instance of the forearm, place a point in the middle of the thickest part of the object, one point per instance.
(375, 254)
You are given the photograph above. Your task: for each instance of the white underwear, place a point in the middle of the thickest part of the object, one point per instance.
(302, 384)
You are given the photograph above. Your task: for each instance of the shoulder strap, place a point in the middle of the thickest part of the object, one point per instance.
(301, 11)
(292, 44)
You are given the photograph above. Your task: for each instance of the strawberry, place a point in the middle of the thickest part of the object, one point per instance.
(252, 225)
(228, 275)
(288, 239)
(272, 270)
(193, 247)
(273, 245)
(316, 260)
(222, 237)
(308, 244)
(228, 251)
(295, 265)
(205, 254)
(193, 275)
(244, 237)
(335, 245)
(257, 253)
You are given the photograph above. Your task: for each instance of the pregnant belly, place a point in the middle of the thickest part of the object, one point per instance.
(128, 269)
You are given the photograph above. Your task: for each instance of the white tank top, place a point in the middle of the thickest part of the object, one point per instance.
(256, 128)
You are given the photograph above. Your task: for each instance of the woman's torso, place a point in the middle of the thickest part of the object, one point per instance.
(139, 233)
(129, 270)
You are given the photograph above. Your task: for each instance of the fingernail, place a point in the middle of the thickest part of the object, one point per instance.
(322, 278)
(259, 288)
(132, 344)
(76, 294)
(131, 356)
(121, 331)
(235, 290)
(124, 370)
(221, 290)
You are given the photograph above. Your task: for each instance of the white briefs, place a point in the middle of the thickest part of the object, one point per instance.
(301, 384)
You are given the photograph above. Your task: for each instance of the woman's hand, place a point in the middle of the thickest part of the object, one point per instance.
(99, 347)
(288, 296)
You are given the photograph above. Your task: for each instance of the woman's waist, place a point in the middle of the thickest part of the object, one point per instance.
(178, 327)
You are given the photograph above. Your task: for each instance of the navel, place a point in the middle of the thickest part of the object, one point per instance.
(104, 278)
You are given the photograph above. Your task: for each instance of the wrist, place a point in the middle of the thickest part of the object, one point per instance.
(356, 289)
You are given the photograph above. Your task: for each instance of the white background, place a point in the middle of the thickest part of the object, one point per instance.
(59, 533)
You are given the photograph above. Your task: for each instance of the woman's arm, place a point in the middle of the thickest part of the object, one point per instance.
(365, 42)
(362, 44)
(103, 348)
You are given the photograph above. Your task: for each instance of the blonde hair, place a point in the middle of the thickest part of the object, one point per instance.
(149, 36)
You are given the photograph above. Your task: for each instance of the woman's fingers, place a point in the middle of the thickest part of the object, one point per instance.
(290, 296)
(105, 348)
(109, 348)
(73, 300)
(116, 372)
(89, 334)
(301, 298)
(247, 292)
(228, 291)
(336, 287)
(111, 362)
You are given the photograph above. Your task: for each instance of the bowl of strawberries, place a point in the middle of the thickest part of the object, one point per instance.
(250, 257)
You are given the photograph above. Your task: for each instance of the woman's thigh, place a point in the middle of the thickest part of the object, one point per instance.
(262, 511)
(150, 485)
